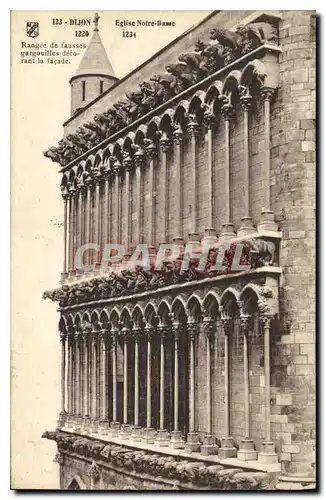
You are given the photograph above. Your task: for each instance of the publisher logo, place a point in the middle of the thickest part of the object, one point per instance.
(32, 29)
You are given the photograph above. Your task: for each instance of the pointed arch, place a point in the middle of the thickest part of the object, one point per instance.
(150, 314)
(211, 305)
(181, 112)
(229, 301)
(153, 129)
(140, 135)
(163, 313)
(125, 319)
(137, 316)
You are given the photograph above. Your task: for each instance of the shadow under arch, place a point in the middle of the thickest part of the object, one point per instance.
(76, 483)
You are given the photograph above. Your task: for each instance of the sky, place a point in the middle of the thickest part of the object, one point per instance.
(40, 103)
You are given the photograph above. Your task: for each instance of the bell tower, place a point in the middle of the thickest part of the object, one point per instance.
(94, 74)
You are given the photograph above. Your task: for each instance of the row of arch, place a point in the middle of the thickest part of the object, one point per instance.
(231, 303)
(249, 81)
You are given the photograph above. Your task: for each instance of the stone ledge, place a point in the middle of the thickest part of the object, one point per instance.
(190, 474)
(265, 270)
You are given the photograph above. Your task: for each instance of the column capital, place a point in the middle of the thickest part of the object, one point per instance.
(163, 331)
(193, 126)
(265, 320)
(139, 157)
(80, 185)
(267, 93)
(209, 326)
(104, 335)
(165, 144)
(177, 135)
(116, 167)
(64, 193)
(151, 150)
(209, 118)
(63, 336)
(72, 192)
(246, 324)
(227, 324)
(70, 336)
(136, 334)
(193, 330)
(150, 332)
(227, 109)
(97, 176)
(246, 102)
(177, 329)
(126, 162)
(89, 181)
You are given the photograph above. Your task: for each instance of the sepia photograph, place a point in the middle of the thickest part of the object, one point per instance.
(163, 173)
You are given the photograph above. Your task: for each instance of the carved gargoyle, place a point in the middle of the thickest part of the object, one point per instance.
(196, 64)
(230, 41)
(150, 97)
(135, 110)
(213, 57)
(123, 111)
(54, 154)
(259, 33)
(167, 86)
(79, 141)
(185, 77)
(263, 251)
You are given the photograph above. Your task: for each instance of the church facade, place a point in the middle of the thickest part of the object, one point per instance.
(193, 369)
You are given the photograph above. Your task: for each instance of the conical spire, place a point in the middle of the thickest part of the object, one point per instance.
(95, 60)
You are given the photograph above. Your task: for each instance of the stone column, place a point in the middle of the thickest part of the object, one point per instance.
(177, 140)
(88, 217)
(63, 413)
(139, 158)
(162, 438)
(247, 226)
(227, 112)
(127, 165)
(267, 223)
(95, 391)
(247, 449)
(70, 377)
(78, 386)
(125, 430)
(193, 130)
(227, 449)
(97, 215)
(80, 215)
(176, 436)
(136, 429)
(65, 197)
(267, 453)
(106, 216)
(165, 145)
(151, 150)
(192, 443)
(115, 425)
(105, 379)
(71, 228)
(117, 209)
(210, 232)
(86, 384)
(148, 433)
(209, 446)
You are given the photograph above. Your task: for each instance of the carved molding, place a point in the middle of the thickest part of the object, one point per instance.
(199, 473)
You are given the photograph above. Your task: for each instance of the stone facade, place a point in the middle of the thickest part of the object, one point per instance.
(218, 366)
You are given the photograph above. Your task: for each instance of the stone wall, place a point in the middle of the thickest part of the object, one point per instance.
(294, 196)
